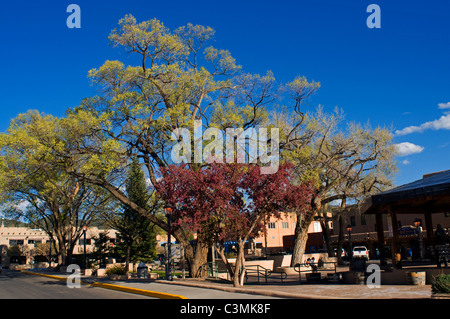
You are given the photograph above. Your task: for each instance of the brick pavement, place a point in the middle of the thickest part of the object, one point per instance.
(290, 288)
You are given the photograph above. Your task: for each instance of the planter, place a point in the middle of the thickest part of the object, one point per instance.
(334, 278)
(313, 277)
(88, 272)
(118, 277)
(154, 275)
(416, 278)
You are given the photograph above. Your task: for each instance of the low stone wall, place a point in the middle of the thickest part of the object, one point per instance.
(399, 276)
(266, 263)
(285, 260)
(280, 260)
(14, 266)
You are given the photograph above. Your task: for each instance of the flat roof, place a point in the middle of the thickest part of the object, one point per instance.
(432, 192)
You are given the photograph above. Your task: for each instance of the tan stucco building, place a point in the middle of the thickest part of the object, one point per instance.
(27, 238)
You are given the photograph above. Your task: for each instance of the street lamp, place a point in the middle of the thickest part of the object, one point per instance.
(84, 243)
(50, 253)
(418, 225)
(168, 212)
(349, 231)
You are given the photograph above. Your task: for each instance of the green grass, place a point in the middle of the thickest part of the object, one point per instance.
(162, 273)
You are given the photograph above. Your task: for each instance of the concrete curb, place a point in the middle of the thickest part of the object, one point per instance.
(149, 293)
(252, 291)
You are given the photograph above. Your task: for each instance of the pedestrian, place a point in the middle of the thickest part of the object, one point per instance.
(440, 235)
(307, 262)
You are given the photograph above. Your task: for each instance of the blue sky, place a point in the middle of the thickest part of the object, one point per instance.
(396, 76)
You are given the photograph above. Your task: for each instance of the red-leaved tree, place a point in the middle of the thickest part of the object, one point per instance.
(224, 202)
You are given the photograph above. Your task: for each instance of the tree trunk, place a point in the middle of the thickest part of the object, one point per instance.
(242, 256)
(301, 237)
(239, 269)
(196, 256)
(327, 236)
(127, 258)
(221, 252)
(341, 231)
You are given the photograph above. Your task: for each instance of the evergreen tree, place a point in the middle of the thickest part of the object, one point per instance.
(101, 248)
(136, 238)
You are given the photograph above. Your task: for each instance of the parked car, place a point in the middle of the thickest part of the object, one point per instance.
(343, 252)
(0, 269)
(361, 252)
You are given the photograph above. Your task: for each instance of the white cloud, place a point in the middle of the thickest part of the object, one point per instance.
(443, 123)
(405, 162)
(407, 148)
(444, 106)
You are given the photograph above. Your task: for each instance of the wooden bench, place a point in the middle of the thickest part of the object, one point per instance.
(442, 255)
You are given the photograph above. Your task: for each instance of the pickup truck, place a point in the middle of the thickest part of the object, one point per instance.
(361, 252)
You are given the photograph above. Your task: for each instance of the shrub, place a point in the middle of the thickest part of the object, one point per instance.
(441, 284)
(116, 270)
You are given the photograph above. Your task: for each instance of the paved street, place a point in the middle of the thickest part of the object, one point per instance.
(15, 285)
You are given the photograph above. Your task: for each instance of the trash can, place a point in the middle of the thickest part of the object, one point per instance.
(416, 277)
(142, 270)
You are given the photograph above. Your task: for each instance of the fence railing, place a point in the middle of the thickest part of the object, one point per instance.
(314, 268)
(212, 270)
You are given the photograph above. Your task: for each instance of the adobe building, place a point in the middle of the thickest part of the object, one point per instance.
(26, 238)
(280, 234)
(402, 222)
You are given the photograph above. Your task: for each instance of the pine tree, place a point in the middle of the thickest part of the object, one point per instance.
(136, 233)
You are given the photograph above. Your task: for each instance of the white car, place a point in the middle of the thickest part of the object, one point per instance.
(361, 252)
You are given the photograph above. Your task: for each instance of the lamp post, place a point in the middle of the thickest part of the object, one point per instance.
(349, 231)
(50, 253)
(84, 244)
(418, 225)
(168, 211)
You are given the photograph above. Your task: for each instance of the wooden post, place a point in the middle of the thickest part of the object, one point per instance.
(396, 260)
(429, 227)
(380, 236)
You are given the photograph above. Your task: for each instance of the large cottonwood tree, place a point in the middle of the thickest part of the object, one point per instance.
(348, 161)
(178, 78)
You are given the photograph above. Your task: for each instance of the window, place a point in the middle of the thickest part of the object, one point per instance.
(34, 241)
(81, 241)
(317, 228)
(13, 242)
(353, 220)
(285, 225)
(363, 220)
(271, 226)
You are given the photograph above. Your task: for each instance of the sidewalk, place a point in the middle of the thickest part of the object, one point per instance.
(290, 288)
